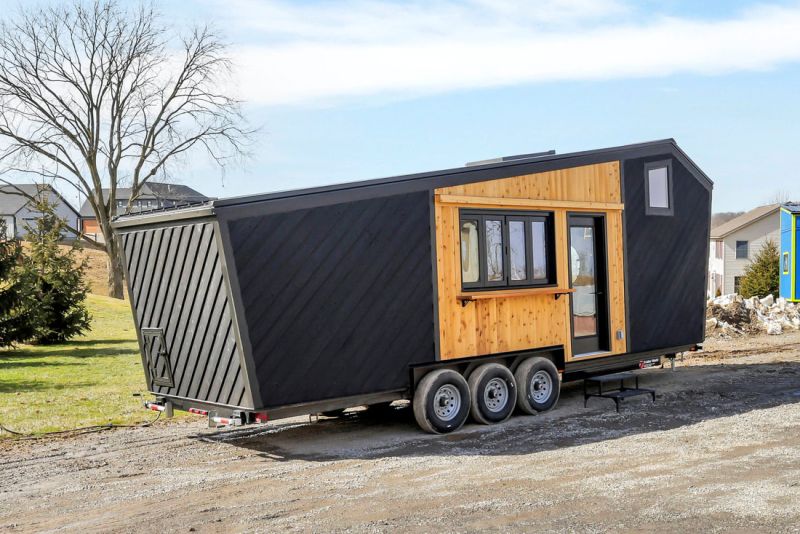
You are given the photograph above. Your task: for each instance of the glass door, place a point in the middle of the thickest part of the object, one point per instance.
(588, 277)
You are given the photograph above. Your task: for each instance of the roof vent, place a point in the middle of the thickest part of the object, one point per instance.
(506, 159)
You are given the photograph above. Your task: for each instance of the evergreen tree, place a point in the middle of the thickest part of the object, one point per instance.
(762, 276)
(15, 325)
(56, 279)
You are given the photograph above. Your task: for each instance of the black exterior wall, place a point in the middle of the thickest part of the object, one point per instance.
(177, 288)
(666, 259)
(337, 300)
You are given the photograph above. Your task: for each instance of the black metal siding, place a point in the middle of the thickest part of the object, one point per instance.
(176, 284)
(337, 299)
(666, 259)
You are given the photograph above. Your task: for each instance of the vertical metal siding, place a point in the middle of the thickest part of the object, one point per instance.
(177, 284)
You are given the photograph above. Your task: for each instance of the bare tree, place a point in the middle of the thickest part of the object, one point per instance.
(781, 196)
(96, 96)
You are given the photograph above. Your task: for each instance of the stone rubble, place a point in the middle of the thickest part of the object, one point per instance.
(731, 315)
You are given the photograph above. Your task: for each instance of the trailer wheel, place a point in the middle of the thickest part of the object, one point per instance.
(494, 393)
(538, 386)
(441, 401)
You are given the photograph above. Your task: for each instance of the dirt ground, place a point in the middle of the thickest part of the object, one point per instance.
(719, 450)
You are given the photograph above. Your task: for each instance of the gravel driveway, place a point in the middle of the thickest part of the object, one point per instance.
(718, 450)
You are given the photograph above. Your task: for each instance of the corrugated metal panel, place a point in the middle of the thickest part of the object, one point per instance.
(338, 299)
(177, 288)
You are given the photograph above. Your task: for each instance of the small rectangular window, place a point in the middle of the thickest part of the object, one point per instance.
(469, 252)
(539, 230)
(658, 188)
(741, 250)
(494, 250)
(513, 248)
(785, 263)
(516, 240)
(718, 248)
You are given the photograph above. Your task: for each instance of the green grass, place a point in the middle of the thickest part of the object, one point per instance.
(87, 381)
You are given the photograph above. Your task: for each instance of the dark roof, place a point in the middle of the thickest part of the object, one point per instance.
(792, 207)
(745, 219)
(489, 171)
(13, 196)
(300, 198)
(152, 190)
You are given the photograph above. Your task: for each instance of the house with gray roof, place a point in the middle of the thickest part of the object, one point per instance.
(152, 195)
(735, 243)
(16, 207)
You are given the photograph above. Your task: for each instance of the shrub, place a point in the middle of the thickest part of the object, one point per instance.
(762, 276)
(54, 279)
(15, 326)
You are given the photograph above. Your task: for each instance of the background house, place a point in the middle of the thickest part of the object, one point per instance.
(736, 242)
(16, 208)
(153, 195)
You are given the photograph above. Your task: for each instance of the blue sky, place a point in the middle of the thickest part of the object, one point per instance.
(359, 89)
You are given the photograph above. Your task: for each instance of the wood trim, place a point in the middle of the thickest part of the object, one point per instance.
(527, 203)
(509, 293)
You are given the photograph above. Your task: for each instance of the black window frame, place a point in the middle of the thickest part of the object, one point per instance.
(746, 250)
(654, 210)
(506, 216)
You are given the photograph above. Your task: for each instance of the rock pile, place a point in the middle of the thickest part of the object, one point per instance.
(735, 315)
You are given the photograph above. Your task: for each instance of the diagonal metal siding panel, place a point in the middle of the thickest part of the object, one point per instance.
(338, 300)
(177, 284)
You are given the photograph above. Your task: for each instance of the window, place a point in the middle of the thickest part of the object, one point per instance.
(785, 263)
(741, 250)
(469, 252)
(658, 188)
(718, 248)
(506, 249)
(737, 284)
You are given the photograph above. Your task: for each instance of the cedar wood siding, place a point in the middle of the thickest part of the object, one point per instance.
(337, 299)
(666, 260)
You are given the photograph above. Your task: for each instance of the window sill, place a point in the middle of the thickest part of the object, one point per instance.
(510, 293)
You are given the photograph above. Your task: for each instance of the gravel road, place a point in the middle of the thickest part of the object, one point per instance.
(719, 450)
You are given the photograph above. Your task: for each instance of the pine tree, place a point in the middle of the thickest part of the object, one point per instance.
(56, 280)
(762, 275)
(15, 325)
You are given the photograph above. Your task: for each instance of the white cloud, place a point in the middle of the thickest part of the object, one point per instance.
(312, 53)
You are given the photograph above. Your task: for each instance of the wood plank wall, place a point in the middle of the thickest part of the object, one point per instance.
(495, 325)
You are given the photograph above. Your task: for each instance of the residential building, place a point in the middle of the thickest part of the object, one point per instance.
(735, 243)
(153, 195)
(17, 209)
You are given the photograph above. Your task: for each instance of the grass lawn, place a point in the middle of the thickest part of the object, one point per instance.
(87, 381)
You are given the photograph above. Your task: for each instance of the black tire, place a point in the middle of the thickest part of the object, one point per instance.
(449, 392)
(494, 393)
(532, 382)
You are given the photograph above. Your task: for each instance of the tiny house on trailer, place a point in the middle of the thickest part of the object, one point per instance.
(790, 237)
(473, 290)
